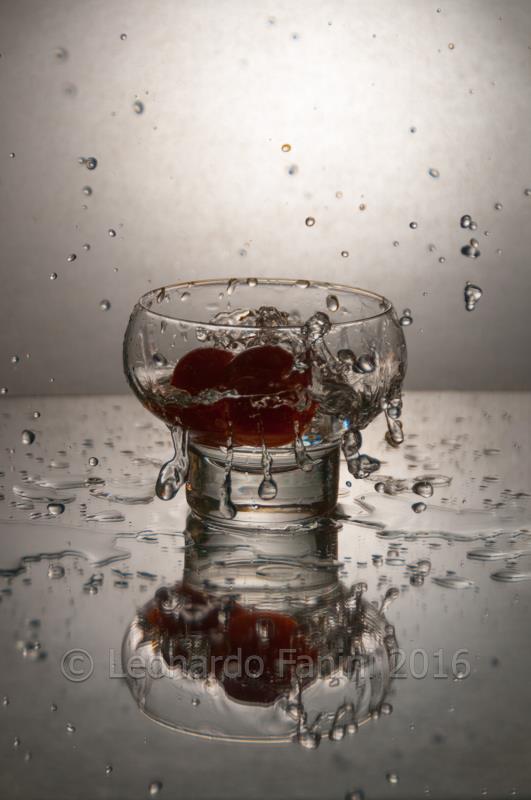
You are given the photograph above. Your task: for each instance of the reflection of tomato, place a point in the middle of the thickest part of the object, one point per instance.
(254, 655)
(270, 392)
(272, 657)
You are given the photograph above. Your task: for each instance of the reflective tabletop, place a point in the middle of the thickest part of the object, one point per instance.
(444, 577)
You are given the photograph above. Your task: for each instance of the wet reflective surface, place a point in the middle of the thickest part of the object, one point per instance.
(435, 702)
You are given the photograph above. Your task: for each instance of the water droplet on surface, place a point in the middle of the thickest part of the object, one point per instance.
(423, 488)
(309, 222)
(60, 54)
(55, 509)
(286, 148)
(434, 173)
(105, 305)
(91, 163)
(418, 508)
(55, 572)
(332, 303)
(454, 582)
(472, 294)
(413, 225)
(93, 461)
(365, 364)
(154, 788)
(27, 437)
(138, 107)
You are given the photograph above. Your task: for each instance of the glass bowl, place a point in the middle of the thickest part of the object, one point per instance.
(261, 380)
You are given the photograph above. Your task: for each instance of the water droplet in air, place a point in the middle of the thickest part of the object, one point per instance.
(70, 728)
(53, 276)
(470, 250)
(86, 247)
(418, 508)
(392, 777)
(412, 129)
(154, 788)
(442, 260)
(71, 257)
(527, 192)
(286, 148)
(28, 437)
(396, 243)
(414, 225)
(309, 222)
(87, 190)
(14, 359)
(4, 390)
(55, 509)
(111, 232)
(11, 155)
(357, 795)
(91, 162)
(465, 221)
(138, 107)
(16, 742)
(498, 206)
(472, 295)
(434, 173)
(108, 769)
(406, 318)
(332, 303)
(105, 305)
(451, 46)
(423, 488)
(93, 461)
(123, 37)
(36, 414)
(344, 253)
(195, 701)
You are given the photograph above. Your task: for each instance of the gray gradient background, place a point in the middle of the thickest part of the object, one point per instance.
(200, 177)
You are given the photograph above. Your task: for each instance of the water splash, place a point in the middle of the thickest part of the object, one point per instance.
(226, 506)
(268, 488)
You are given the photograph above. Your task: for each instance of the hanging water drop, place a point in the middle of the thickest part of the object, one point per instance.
(268, 488)
(174, 472)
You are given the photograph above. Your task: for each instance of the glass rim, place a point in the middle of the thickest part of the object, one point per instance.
(386, 305)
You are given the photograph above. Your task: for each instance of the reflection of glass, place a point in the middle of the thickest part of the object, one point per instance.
(260, 641)
(261, 380)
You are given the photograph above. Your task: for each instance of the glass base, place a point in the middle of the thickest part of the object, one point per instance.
(301, 494)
